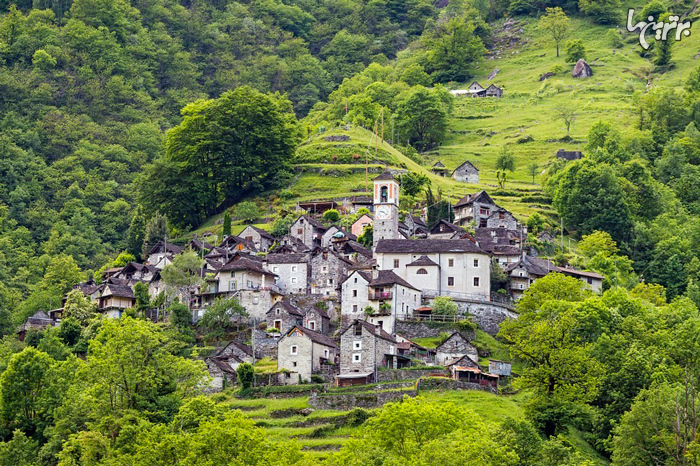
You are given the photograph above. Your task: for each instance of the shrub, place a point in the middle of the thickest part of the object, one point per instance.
(245, 373)
(575, 50)
(315, 378)
(357, 417)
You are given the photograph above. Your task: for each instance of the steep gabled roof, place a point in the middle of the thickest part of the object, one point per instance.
(465, 164)
(481, 196)
(316, 337)
(354, 246)
(386, 175)
(426, 246)
(375, 330)
(245, 348)
(454, 335)
(287, 306)
(388, 277)
(121, 291)
(444, 226)
(260, 231)
(315, 223)
(534, 266)
(245, 263)
(438, 164)
(168, 247)
(366, 275)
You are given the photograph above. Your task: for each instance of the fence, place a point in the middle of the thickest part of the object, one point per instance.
(494, 298)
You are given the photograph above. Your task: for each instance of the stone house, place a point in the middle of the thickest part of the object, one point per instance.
(493, 91)
(501, 218)
(245, 273)
(302, 352)
(353, 251)
(415, 226)
(439, 169)
(259, 237)
(136, 271)
(523, 273)
(452, 266)
(289, 244)
(292, 270)
(458, 364)
(569, 154)
(40, 320)
(223, 364)
(115, 299)
(199, 245)
(390, 296)
(466, 173)
(283, 315)
(363, 349)
(500, 368)
(161, 250)
(308, 230)
(413, 350)
(476, 208)
(592, 280)
(502, 244)
(328, 269)
(476, 90)
(358, 225)
(455, 347)
(317, 319)
(444, 230)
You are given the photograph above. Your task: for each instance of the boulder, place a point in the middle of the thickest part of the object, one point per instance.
(546, 76)
(492, 74)
(582, 70)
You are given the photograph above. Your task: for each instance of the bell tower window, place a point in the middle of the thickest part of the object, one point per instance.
(384, 194)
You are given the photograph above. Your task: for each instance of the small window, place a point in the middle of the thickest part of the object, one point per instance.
(357, 345)
(275, 269)
(356, 357)
(294, 279)
(324, 269)
(354, 308)
(312, 325)
(354, 293)
(294, 268)
(590, 281)
(355, 279)
(294, 350)
(476, 281)
(476, 262)
(330, 282)
(325, 353)
(422, 272)
(358, 329)
(450, 281)
(450, 262)
(294, 364)
(300, 231)
(396, 263)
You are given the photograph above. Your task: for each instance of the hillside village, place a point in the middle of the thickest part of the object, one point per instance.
(327, 308)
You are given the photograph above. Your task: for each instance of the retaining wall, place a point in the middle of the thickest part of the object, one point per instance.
(406, 374)
(348, 401)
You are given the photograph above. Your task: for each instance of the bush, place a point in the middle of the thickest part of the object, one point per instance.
(357, 417)
(575, 50)
(315, 378)
(614, 38)
(245, 373)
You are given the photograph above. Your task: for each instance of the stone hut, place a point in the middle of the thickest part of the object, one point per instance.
(466, 173)
(454, 347)
(569, 154)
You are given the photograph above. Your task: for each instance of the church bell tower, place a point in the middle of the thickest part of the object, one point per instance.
(386, 207)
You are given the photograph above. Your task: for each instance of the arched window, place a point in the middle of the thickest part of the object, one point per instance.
(384, 194)
(422, 272)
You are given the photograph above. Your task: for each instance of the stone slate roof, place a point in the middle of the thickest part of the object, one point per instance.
(318, 311)
(388, 277)
(169, 247)
(316, 337)
(438, 164)
(288, 307)
(481, 196)
(39, 319)
(583, 273)
(313, 222)
(450, 227)
(454, 335)
(245, 348)
(354, 246)
(262, 232)
(423, 246)
(468, 165)
(534, 266)
(121, 291)
(245, 263)
(386, 175)
(294, 258)
(422, 261)
(199, 244)
(377, 331)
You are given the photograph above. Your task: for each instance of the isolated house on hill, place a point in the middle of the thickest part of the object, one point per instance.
(439, 169)
(38, 321)
(455, 346)
(493, 91)
(466, 173)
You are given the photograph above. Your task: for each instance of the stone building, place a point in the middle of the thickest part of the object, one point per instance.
(439, 169)
(317, 319)
(302, 352)
(523, 273)
(569, 154)
(292, 270)
(40, 320)
(115, 299)
(455, 347)
(328, 269)
(493, 91)
(308, 230)
(363, 349)
(453, 266)
(466, 173)
(504, 245)
(245, 272)
(444, 230)
(335, 235)
(262, 240)
(161, 250)
(475, 208)
(501, 218)
(223, 364)
(283, 315)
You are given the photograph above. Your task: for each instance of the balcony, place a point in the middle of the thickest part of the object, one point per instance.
(380, 295)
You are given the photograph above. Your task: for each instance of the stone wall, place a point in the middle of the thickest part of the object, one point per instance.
(436, 383)
(417, 329)
(406, 374)
(348, 401)
(487, 315)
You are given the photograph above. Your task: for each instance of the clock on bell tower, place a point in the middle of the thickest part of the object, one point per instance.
(386, 207)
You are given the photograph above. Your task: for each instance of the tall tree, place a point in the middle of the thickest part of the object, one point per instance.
(555, 24)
